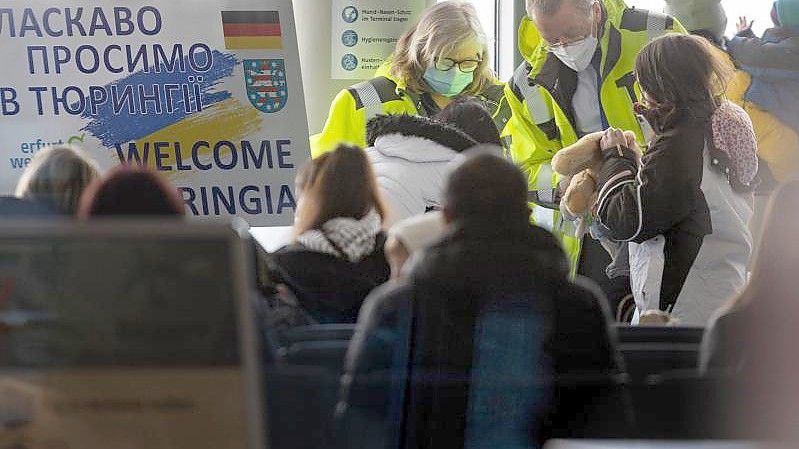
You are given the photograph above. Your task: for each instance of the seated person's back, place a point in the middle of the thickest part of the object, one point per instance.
(337, 256)
(490, 258)
(331, 289)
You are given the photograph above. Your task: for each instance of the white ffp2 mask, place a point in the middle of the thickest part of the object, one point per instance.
(577, 55)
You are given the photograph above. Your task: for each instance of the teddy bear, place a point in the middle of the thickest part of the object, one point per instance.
(580, 164)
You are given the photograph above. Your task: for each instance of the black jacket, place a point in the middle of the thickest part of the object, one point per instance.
(330, 289)
(686, 216)
(429, 322)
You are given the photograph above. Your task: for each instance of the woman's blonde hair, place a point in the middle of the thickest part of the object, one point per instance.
(58, 174)
(440, 31)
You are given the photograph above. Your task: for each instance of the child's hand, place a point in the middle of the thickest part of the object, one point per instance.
(613, 138)
(632, 143)
(743, 25)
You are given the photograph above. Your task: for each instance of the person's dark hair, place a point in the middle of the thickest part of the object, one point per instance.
(337, 185)
(471, 117)
(131, 190)
(486, 187)
(306, 175)
(682, 77)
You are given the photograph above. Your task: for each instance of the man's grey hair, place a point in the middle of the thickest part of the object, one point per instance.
(549, 7)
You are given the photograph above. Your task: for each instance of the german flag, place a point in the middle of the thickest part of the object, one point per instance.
(247, 30)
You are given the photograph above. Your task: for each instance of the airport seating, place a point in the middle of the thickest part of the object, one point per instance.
(653, 350)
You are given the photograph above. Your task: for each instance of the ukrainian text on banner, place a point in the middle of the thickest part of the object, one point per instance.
(208, 93)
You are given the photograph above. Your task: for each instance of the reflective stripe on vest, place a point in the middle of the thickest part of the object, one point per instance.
(507, 141)
(544, 217)
(656, 24)
(532, 94)
(539, 114)
(368, 98)
(372, 94)
(493, 97)
(549, 198)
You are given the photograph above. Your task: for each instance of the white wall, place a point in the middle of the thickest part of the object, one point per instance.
(312, 19)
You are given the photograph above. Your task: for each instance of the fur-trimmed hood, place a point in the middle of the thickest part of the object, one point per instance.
(416, 138)
(411, 158)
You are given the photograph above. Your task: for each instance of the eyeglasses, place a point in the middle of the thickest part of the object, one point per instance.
(566, 43)
(465, 66)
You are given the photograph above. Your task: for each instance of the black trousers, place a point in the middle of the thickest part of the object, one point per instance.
(593, 261)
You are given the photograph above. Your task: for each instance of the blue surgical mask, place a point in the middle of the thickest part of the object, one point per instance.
(448, 83)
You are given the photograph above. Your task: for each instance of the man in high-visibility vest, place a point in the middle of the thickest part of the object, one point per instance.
(577, 78)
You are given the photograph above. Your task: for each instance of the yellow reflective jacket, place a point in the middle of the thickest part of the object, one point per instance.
(540, 97)
(777, 143)
(384, 94)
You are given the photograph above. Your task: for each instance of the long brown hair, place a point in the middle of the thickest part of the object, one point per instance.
(338, 184)
(131, 190)
(682, 77)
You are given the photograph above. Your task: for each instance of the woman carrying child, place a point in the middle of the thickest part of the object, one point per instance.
(685, 205)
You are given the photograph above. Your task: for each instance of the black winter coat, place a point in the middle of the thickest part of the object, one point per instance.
(430, 325)
(329, 288)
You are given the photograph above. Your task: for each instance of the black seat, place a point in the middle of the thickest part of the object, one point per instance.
(319, 332)
(649, 350)
(643, 359)
(326, 353)
(479, 373)
(659, 334)
(300, 402)
(681, 405)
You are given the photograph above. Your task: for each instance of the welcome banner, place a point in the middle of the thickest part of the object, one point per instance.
(208, 92)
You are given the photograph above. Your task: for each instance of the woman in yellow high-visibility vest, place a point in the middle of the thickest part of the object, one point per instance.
(442, 57)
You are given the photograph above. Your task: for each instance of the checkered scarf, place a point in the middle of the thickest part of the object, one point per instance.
(345, 238)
